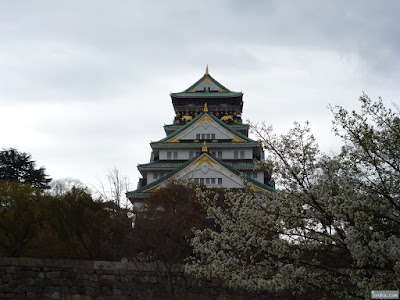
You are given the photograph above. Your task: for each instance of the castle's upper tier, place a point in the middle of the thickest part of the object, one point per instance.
(220, 100)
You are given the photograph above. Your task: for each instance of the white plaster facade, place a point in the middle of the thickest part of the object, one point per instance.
(186, 154)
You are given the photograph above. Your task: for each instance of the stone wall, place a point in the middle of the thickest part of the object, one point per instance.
(33, 278)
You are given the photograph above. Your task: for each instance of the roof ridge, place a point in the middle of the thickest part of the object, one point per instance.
(188, 90)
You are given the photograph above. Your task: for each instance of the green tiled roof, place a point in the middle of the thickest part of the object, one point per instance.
(224, 92)
(172, 165)
(207, 76)
(158, 181)
(160, 164)
(206, 94)
(200, 145)
(169, 175)
(241, 126)
(240, 164)
(173, 126)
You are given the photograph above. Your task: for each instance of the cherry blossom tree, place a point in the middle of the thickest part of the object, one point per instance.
(333, 226)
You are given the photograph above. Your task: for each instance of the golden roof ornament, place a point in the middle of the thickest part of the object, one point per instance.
(205, 107)
(204, 149)
(207, 70)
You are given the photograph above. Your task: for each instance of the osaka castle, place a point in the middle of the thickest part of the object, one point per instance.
(207, 143)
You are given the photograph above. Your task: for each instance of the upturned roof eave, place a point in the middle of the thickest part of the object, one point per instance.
(206, 95)
(161, 145)
(225, 165)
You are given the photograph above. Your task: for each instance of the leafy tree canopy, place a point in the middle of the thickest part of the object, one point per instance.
(19, 166)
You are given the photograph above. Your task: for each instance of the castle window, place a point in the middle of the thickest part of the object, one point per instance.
(242, 154)
(175, 155)
(220, 154)
(191, 154)
(157, 175)
(207, 180)
(213, 136)
(203, 136)
(219, 181)
(235, 154)
(212, 180)
(197, 136)
(208, 136)
(169, 155)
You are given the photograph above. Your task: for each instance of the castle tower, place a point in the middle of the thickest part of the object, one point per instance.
(207, 143)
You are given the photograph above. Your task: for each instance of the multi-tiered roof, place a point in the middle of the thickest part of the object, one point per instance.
(207, 143)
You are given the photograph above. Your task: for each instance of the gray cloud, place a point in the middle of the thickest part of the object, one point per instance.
(84, 84)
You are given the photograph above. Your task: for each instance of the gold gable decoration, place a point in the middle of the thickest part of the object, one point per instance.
(205, 107)
(204, 159)
(174, 140)
(236, 140)
(257, 189)
(205, 118)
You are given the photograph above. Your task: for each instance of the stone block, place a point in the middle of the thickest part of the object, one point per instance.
(93, 277)
(30, 281)
(31, 295)
(10, 269)
(152, 279)
(85, 276)
(4, 289)
(106, 283)
(106, 291)
(90, 291)
(109, 277)
(55, 295)
(116, 292)
(70, 275)
(48, 289)
(7, 278)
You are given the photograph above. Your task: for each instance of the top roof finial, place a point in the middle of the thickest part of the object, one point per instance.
(207, 70)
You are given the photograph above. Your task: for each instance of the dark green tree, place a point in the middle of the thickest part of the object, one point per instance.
(88, 229)
(19, 166)
(20, 217)
(163, 227)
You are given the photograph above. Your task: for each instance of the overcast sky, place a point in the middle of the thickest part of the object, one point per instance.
(84, 85)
